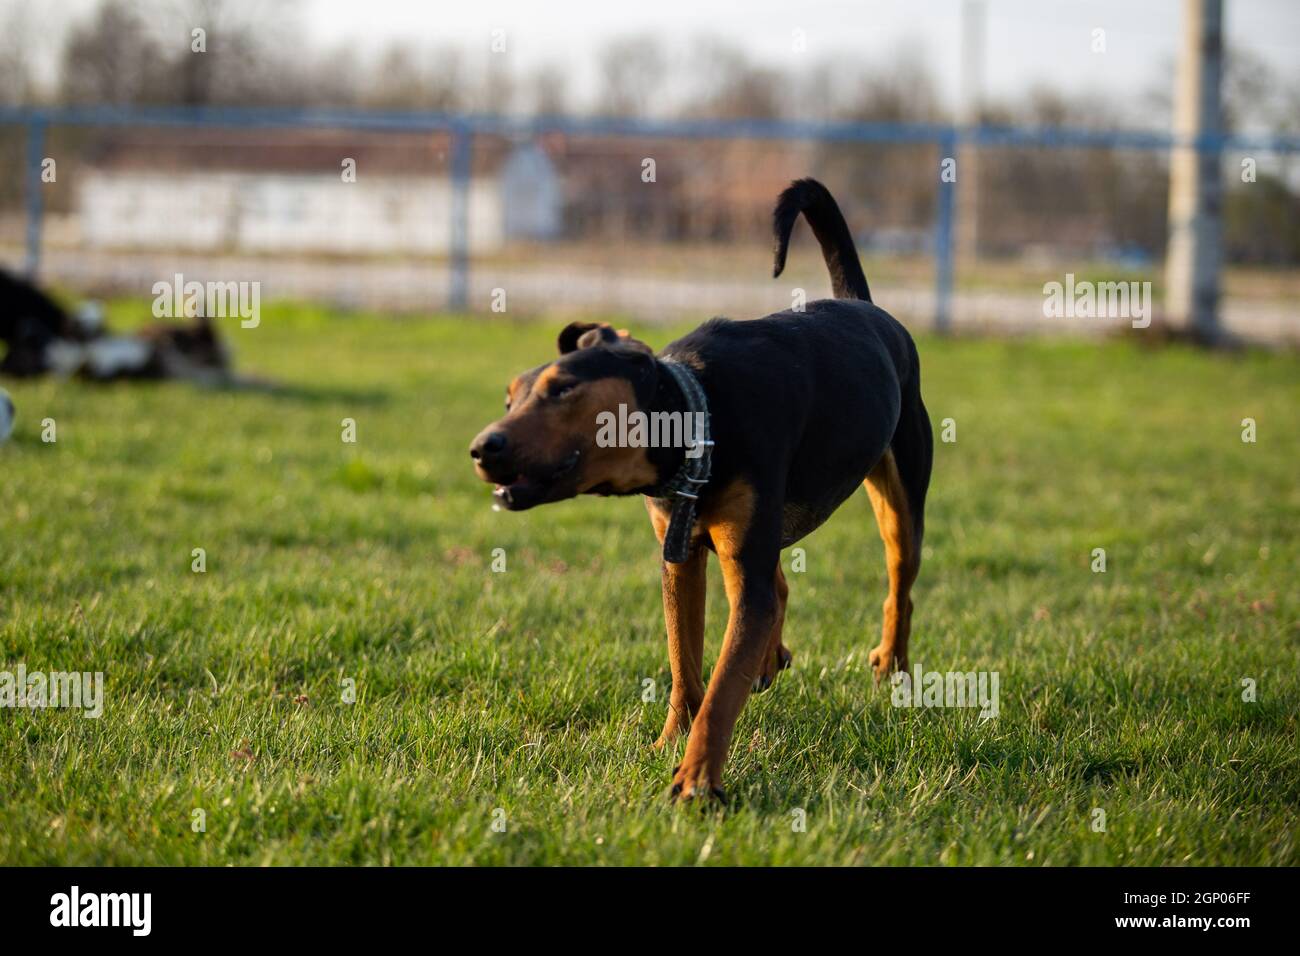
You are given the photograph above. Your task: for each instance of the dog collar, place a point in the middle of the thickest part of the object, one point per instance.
(681, 491)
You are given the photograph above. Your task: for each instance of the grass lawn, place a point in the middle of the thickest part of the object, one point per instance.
(522, 692)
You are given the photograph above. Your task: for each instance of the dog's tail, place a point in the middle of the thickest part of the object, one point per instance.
(814, 200)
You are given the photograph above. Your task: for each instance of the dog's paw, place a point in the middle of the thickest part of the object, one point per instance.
(778, 660)
(678, 722)
(665, 740)
(692, 781)
(884, 662)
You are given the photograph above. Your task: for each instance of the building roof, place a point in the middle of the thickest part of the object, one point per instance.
(278, 151)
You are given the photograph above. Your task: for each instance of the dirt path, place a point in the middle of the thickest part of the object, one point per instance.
(424, 286)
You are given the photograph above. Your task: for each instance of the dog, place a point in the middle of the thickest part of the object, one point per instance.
(42, 338)
(30, 322)
(800, 408)
(191, 352)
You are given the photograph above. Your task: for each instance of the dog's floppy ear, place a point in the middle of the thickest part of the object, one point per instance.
(584, 335)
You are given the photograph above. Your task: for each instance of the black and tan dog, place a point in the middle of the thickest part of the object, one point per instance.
(801, 407)
(40, 338)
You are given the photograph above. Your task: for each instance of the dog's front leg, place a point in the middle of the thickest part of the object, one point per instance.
(684, 590)
(748, 551)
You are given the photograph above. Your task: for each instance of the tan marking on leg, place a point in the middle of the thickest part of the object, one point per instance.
(778, 655)
(684, 589)
(894, 516)
(749, 630)
(727, 519)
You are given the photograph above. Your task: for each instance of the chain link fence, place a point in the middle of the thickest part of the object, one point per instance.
(647, 221)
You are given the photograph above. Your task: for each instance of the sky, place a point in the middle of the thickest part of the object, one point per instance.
(1027, 42)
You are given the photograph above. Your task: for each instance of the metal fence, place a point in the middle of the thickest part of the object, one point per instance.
(654, 219)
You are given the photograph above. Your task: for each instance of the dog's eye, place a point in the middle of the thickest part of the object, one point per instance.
(559, 391)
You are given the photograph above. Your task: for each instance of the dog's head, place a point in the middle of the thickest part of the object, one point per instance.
(545, 448)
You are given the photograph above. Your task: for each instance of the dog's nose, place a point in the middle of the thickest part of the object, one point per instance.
(488, 446)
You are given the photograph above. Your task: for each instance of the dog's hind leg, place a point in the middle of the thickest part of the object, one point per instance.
(779, 656)
(897, 487)
(684, 588)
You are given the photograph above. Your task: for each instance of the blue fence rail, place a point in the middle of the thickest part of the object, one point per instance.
(463, 128)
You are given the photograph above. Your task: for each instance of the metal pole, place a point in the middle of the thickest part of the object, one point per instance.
(971, 113)
(1194, 255)
(943, 238)
(35, 198)
(462, 145)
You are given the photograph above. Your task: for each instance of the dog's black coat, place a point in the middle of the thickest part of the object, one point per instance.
(29, 321)
(804, 404)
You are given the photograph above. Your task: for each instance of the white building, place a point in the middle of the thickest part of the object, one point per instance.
(258, 201)
(278, 212)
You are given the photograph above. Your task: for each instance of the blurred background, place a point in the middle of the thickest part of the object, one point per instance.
(589, 157)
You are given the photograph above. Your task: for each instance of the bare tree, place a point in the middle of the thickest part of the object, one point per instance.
(332, 77)
(107, 59)
(1251, 91)
(550, 90)
(408, 78)
(900, 89)
(727, 84)
(497, 90)
(633, 72)
(15, 62)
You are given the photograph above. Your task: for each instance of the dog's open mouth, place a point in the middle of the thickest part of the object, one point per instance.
(523, 490)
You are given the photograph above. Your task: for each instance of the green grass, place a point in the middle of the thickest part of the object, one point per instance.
(523, 690)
